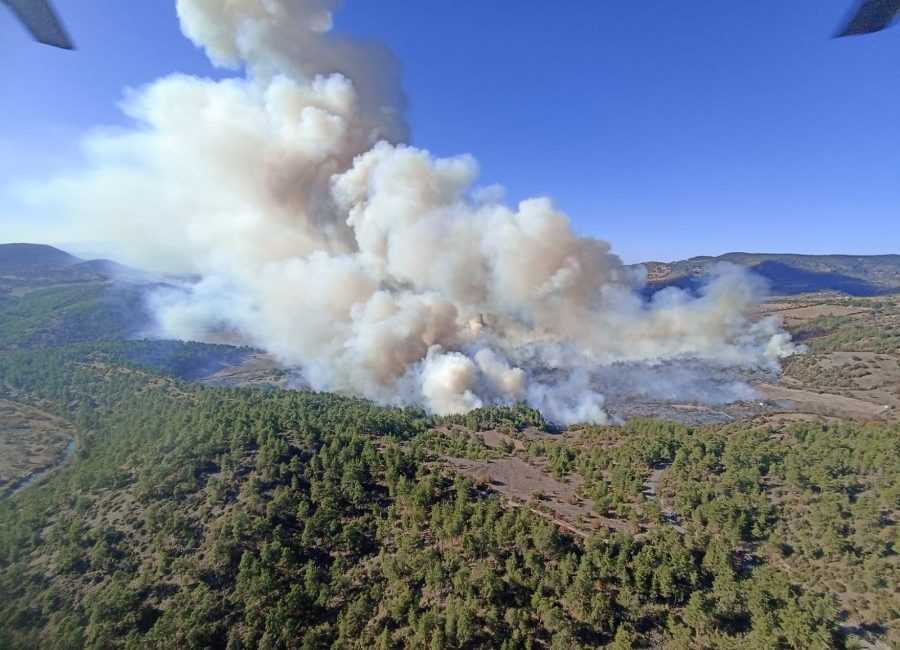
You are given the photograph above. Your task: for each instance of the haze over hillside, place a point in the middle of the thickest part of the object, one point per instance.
(21, 257)
(858, 275)
(114, 302)
(24, 266)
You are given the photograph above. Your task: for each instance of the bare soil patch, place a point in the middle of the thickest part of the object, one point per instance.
(824, 404)
(868, 376)
(528, 485)
(257, 368)
(31, 441)
(799, 314)
(852, 368)
(494, 439)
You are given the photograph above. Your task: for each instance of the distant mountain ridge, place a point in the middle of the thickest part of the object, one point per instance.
(20, 257)
(788, 273)
(31, 266)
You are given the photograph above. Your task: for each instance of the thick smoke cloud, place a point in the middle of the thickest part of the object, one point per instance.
(370, 266)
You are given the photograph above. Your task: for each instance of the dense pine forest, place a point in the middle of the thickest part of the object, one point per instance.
(255, 518)
(203, 517)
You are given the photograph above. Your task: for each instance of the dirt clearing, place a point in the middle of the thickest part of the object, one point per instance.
(31, 440)
(825, 404)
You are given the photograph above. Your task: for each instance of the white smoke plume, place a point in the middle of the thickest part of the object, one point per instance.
(371, 266)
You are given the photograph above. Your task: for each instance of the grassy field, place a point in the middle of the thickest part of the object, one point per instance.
(852, 368)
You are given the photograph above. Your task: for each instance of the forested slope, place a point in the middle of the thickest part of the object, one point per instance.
(197, 517)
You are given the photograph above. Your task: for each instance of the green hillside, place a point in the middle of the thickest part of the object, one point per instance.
(196, 517)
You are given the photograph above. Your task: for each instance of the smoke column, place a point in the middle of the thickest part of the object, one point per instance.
(372, 267)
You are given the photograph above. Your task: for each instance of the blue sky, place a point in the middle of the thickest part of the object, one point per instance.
(670, 129)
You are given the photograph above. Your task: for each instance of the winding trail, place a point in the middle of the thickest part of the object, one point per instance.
(669, 516)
